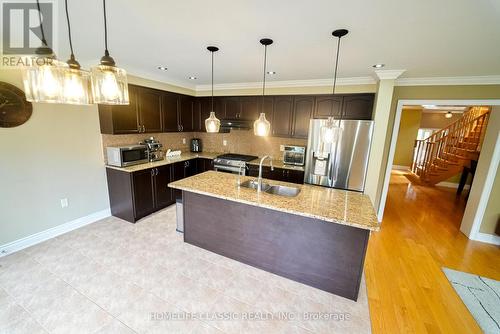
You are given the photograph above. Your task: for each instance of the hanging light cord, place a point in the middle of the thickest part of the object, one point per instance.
(41, 24)
(212, 81)
(336, 65)
(106, 52)
(69, 29)
(264, 79)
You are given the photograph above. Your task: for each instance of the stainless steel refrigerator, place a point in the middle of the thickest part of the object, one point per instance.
(340, 162)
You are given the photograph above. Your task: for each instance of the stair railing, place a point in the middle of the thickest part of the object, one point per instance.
(444, 142)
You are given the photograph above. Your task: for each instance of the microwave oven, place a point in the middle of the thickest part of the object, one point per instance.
(294, 155)
(123, 156)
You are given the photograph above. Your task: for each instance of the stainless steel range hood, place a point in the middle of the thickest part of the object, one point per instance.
(228, 124)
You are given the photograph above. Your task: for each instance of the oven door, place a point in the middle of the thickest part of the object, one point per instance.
(230, 169)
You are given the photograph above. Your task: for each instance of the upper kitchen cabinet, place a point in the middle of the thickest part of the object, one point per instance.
(302, 113)
(186, 117)
(250, 107)
(232, 107)
(169, 107)
(121, 119)
(282, 116)
(149, 105)
(205, 106)
(327, 105)
(358, 106)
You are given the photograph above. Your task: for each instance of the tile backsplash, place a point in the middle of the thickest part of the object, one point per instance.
(237, 141)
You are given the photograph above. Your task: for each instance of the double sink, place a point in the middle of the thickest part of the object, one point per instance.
(272, 189)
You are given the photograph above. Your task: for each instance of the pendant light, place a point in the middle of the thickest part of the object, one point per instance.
(262, 127)
(331, 130)
(76, 82)
(42, 78)
(109, 83)
(212, 123)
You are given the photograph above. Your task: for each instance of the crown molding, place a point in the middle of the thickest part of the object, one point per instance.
(388, 74)
(290, 84)
(444, 81)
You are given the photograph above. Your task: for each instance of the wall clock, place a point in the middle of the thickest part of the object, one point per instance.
(14, 109)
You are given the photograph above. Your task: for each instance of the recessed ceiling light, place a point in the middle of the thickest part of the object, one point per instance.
(192, 78)
(163, 68)
(271, 72)
(378, 65)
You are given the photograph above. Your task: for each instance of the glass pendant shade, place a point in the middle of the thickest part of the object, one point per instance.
(330, 131)
(77, 86)
(44, 83)
(109, 85)
(212, 123)
(261, 127)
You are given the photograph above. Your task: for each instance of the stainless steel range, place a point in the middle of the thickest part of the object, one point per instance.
(233, 163)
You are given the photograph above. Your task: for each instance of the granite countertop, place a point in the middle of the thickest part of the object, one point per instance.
(276, 164)
(166, 161)
(330, 205)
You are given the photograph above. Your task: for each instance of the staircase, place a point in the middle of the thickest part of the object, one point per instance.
(445, 153)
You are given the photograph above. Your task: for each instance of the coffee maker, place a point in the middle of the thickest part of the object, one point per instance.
(196, 145)
(154, 151)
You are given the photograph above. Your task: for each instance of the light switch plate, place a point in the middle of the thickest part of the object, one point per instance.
(224, 142)
(64, 203)
(282, 148)
(184, 140)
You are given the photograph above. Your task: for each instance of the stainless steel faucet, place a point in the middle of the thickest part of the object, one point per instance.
(241, 172)
(259, 179)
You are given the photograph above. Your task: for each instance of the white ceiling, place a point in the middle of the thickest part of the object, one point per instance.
(428, 38)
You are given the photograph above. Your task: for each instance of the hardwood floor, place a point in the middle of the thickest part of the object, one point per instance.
(407, 291)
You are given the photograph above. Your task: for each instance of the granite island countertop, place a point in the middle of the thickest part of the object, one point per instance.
(326, 204)
(166, 161)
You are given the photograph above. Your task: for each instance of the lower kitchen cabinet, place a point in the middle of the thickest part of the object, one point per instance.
(278, 174)
(138, 194)
(204, 164)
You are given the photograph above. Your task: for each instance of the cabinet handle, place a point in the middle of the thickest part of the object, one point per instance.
(157, 172)
(152, 172)
(143, 128)
(182, 127)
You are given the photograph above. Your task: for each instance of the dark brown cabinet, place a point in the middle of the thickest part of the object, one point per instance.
(302, 113)
(282, 116)
(163, 194)
(186, 119)
(204, 165)
(232, 107)
(250, 107)
(149, 105)
(358, 106)
(142, 185)
(278, 174)
(121, 119)
(327, 106)
(169, 110)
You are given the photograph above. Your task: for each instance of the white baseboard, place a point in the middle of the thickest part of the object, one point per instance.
(488, 238)
(451, 185)
(36, 238)
(400, 167)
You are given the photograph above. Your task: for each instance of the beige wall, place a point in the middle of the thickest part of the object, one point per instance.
(56, 154)
(437, 120)
(463, 92)
(492, 212)
(408, 129)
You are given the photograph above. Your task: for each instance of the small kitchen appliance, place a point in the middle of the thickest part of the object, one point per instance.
(196, 145)
(294, 155)
(154, 149)
(123, 156)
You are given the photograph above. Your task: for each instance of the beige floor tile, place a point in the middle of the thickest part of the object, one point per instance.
(173, 289)
(74, 268)
(198, 298)
(22, 280)
(195, 268)
(244, 288)
(25, 326)
(138, 315)
(216, 276)
(229, 313)
(11, 313)
(115, 327)
(204, 328)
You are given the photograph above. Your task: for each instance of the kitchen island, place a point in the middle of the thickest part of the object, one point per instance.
(318, 237)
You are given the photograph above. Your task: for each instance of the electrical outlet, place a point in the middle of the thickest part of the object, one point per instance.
(224, 142)
(282, 148)
(184, 140)
(64, 203)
